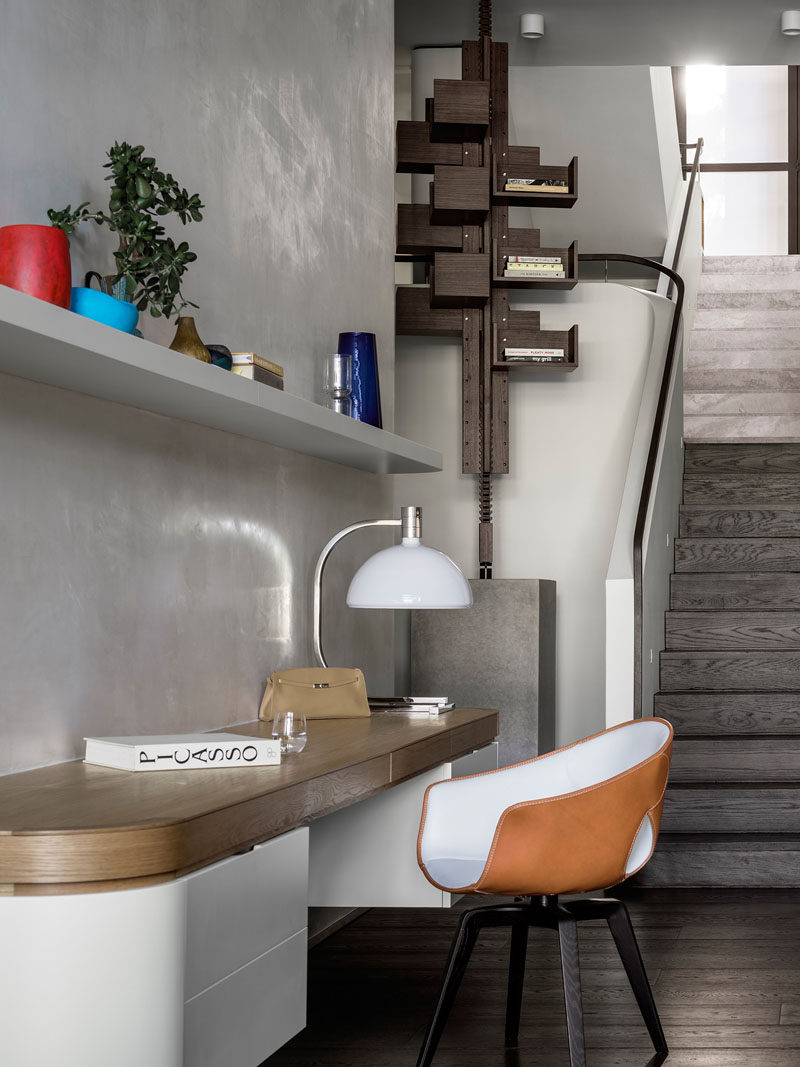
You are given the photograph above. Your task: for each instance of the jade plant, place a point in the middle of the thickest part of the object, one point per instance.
(149, 265)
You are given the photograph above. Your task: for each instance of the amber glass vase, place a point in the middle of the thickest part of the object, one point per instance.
(186, 340)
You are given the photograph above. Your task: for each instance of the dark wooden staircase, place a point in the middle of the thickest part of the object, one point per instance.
(730, 674)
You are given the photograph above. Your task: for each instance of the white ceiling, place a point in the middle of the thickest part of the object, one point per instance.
(612, 32)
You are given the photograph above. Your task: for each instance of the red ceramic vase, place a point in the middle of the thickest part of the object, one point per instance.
(35, 260)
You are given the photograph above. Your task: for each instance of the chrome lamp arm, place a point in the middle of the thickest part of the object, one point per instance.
(320, 567)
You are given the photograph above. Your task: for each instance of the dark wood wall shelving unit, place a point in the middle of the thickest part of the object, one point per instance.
(464, 238)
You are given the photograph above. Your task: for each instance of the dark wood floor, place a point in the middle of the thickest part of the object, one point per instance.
(724, 965)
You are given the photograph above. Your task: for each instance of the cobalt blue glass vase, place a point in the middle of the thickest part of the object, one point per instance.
(366, 394)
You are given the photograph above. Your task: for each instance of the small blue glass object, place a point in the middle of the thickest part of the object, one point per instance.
(366, 392)
(221, 356)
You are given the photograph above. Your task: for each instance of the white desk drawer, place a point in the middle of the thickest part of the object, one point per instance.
(366, 855)
(242, 907)
(248, 1016)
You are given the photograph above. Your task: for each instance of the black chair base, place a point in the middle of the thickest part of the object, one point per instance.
(564, 918)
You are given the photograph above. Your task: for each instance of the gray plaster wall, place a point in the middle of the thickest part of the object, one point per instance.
(279, 114)
(155, 572)
(612, 32)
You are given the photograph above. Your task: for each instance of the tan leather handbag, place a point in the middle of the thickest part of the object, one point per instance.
(321, 692)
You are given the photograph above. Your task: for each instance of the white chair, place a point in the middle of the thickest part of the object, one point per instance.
(582, 818)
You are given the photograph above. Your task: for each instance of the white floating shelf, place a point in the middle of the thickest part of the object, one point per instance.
(49, 344)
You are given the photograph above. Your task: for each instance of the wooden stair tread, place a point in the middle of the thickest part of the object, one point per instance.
(704, 713)
(767, 808)
(746, 630)
(736, 760)
(770, 671)
(715, 520)
(700, 591)
(737, 554)
(765, 670)
(748, 488)
(684, 861)
(733, 458)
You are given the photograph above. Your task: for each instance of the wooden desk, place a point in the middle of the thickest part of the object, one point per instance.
(164, 915)
(75, 827)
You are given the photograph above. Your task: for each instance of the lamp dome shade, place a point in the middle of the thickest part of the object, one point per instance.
(790, 23)
(409, 575)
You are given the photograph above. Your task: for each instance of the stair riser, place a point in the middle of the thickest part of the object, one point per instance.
(722, 284)
(742, 671)
(781, 337)
(736, 459)
(731, 554)
(698, 868)
(746, 318)
(785, 299)
(738, 592)
(714, 714)
(749, 489)
(750, 264)
(752, 429)
(712, 630)
(735, 760)
(710, 402)
(727, 359)
(741, 380)
(714, 521)
(700, 810)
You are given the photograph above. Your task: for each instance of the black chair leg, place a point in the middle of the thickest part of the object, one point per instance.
(516, 979)
(460, 952)
(619, 922)
(570, 969)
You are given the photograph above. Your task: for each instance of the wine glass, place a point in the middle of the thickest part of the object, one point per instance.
(289, 726)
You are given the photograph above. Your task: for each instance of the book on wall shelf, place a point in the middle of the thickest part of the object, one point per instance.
(181, 752)
(255, 373)
(534, 259)
(540, 268)
(536, 185)
(249, 359)
(534, 355)
(541, 275)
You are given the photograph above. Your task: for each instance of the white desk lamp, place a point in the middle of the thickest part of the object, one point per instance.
(407, 575)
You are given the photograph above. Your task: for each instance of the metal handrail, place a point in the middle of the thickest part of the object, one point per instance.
(676, 283)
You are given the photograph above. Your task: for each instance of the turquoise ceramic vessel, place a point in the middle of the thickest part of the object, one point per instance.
(93, 304)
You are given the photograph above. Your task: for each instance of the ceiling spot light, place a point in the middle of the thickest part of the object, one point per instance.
(533, 25)
(790, 23)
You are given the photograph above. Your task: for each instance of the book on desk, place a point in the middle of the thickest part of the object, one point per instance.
(182, 752)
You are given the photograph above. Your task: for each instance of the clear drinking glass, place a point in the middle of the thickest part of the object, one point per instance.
(290, 728)
(339, 381)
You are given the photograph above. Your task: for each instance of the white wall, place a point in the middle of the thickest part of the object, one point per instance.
(662, 523)
(556, 512)
(606, 117)
(666, 127)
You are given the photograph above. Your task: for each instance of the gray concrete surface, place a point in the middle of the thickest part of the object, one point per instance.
(500, 653)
